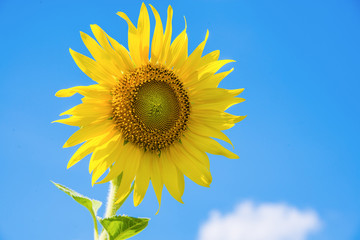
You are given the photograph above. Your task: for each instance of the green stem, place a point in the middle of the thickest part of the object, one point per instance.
(111, 206)
(96, 233)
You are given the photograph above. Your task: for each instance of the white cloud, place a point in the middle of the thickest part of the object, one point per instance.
(262, 222)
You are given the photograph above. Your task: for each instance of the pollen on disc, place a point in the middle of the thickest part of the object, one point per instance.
(151, 107)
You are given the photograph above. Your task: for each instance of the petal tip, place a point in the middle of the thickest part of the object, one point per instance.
(136, 203)
(72, 52)
(69, 165)
(58, 94)
(122, 15)
(158, 211)
(170, 8)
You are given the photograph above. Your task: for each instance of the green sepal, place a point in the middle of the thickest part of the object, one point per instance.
(123, 227)
(91, 204)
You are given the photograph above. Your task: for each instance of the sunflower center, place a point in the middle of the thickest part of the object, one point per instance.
(151, 107)
(156, 105)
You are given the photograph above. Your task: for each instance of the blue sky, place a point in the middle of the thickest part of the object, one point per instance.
(299, 145)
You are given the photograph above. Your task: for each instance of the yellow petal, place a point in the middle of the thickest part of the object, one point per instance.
(156, 179)
(194, 59)
(169, 174)
(91, 68)
(189, 165)
(215, 118)
(88, 147)
(178, 50)
(210, 57)
(211, 94)
(189, 81)
(214, 80)
(115, 60)
(215, 98)
(129, 172)
(90, 109)
(104, 58)
(99, 171)
(180, 181)
(94, 48)
(198, 154)
(120, 155)
(167, 36)
(205, 75)
(97, 102)
(95, 91)
(213, 67)
(133, 40)
(101, 37)
(89, 132)
(208, 131)
(116, 153)
(80, 121)
(122, 52)
(210, 145)
(82, 152)
(220, 104)
(143, 28)
(102, 152)
(142, 178)
(157, 40)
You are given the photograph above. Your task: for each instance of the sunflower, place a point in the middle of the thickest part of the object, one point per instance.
(150, 118)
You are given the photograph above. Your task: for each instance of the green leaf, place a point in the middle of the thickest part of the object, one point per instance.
(91, 204)
(123, 227)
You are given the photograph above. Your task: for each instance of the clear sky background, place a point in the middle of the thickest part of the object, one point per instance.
(299, 62)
